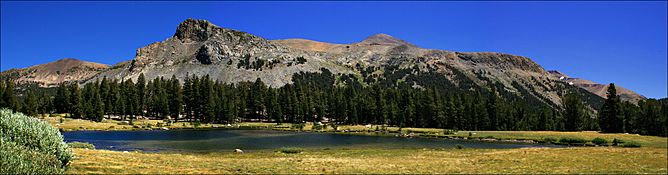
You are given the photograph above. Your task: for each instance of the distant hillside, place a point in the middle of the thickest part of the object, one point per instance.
(598, 89)
(53, 73)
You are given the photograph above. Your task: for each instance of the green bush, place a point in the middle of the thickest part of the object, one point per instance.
(81, 145)
(573, 141)
(631, 144)
(291, 150)
(617, 142)
(28, 145)
(318, 127)
(599, 141)
(17, 159)
(458, 146)
(549, 139)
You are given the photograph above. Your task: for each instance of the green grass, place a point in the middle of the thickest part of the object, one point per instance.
(369, 160)
(291, 150)
(81, 145)
(645, 141)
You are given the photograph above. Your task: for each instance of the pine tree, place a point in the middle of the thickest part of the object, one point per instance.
(2, 95)
(30, 107)
(140, 95)
(76, 104)
(573, 112)
(610, 119)
(97, 113)
(9, 96)
(61, 100)
(175, 98)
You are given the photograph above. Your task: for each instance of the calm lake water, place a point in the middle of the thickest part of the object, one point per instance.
(227, 140)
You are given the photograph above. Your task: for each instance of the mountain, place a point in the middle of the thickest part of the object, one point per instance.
(200, 48)
(54, 73)
(598, 89)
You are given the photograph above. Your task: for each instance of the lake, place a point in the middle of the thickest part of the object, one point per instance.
(228, 140)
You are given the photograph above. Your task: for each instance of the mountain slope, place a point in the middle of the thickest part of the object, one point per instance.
(200, 48)
(598, 89)
(53, 73)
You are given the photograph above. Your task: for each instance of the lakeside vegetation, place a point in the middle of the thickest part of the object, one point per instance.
(69, 124)
(394, 161)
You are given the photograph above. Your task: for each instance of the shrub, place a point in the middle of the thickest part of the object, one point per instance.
(549, 139)
(81, 145)
(197, 124)
(599, 141)
(617, 141)
(317, 127)
(450, 132)
(17, 159)
(28, 145)
(573, 141)
(291, 150)
(299, 126)
(458, 146)
(631, 144)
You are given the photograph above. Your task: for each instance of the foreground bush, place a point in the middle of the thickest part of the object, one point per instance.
(16, 159)
(28, 145)
(291, 150)
(81, 145)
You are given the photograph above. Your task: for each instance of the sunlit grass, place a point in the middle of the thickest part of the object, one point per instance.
(525, 160)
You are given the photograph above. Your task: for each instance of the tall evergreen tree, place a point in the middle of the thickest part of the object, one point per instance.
(140, 95)
(573, 112)
(610, 119)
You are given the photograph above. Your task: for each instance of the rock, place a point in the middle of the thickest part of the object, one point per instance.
(367, 126)
(238, 151)
(125, 122)
(126, 152)
(164, 128)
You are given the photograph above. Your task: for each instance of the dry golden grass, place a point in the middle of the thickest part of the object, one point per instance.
(525, 160)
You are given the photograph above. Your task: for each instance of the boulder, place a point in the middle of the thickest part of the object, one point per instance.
(238, 151)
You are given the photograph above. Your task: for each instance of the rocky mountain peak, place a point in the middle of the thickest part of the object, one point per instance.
(195, 30)
(384, 39)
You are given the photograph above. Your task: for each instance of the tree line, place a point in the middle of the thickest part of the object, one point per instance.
(341, 99)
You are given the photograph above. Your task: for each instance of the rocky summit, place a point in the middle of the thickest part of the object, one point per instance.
(200, 48)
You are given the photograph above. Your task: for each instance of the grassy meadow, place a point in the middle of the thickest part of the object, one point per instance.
(650, 158)
(524, 160)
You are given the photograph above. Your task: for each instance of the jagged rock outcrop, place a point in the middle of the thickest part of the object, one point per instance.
(200, 48)
(54, 73)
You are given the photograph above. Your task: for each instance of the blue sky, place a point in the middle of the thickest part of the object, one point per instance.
(620, 42)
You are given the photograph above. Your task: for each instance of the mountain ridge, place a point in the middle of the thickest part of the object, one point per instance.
(200, 48)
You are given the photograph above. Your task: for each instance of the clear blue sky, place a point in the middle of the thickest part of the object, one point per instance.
(620, 42)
